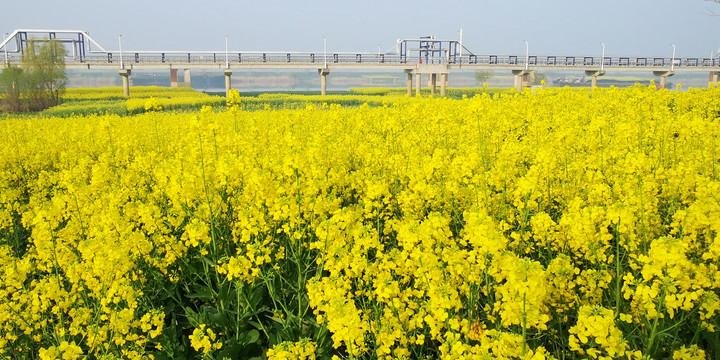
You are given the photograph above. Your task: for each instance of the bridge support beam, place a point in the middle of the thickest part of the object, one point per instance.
(418, 83)
(714, 77)
(433, 83)
(173, 78)
(443, 83)
(186, 79)
(522, 79)
(228, 83)
(594, 75)
(409, 82)
(125, 74)
(323, 80)
(663, 75)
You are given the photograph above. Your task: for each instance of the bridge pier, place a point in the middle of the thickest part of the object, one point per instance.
(228, 86)
(433, 83)
(418, 83)
(174, 78)
(443, 83)
(323, 80)
(409, 82)
(187, 78)
(663, 75)
(594, 75)
(125, 74)
(714, 77)
(522, 79)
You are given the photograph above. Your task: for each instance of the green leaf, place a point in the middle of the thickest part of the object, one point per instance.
(200, 294)
(250, 337)
(256, 297)
(208, 261)
(220, 319)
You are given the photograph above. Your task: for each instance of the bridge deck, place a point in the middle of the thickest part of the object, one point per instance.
(259, 60)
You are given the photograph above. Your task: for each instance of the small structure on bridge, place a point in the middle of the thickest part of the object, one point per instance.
(427, 51)
(431, 50)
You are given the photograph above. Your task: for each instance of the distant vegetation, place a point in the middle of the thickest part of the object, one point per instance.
(39, 81)
(110, 100)
(483, 75)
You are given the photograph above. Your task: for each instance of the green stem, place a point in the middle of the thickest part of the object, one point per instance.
(257, 317)
(618, 298)
(524, 326)
(237, 312)
(653, 331)
(56, 265)
(213, 235)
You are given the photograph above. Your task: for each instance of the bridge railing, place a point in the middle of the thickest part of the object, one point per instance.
(550, 61)
(585, 61)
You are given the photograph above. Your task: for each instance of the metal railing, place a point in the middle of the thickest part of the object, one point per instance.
(179, 58)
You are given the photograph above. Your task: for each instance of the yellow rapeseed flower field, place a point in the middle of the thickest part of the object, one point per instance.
(547, 224)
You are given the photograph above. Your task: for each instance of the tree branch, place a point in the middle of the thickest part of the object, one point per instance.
(710, 11)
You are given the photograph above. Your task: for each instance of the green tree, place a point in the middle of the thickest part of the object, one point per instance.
(711, 11)
(12, 85)
(40, 80)
(45, 65)
(483, 76)
(536, 77)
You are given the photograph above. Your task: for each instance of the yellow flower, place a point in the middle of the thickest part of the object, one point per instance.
(65, 350)
(203, 339)
(301, 350)
(689, 353)
(596, 334)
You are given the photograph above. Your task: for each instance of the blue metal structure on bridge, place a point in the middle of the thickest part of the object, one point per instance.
(431, 50)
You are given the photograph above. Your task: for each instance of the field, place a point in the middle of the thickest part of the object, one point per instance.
(110, 100)
(547, 224)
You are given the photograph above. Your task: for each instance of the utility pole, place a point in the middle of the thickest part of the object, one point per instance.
(122, 66)
(672, 61)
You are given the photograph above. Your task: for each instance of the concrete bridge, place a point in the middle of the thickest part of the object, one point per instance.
(416, 57)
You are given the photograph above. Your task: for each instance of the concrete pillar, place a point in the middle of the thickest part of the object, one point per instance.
(518, 79)
(594, 75)
(187, 78)
(125, 74)
(714, 77)
(228, 84)
(409, 82)
(323, 80)
(663, 75)
(433, 83)
(522, 79)
(173, 78)
(443, 83)
(418, 81)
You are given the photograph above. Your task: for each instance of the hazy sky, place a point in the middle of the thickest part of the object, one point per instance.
(552, 27)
